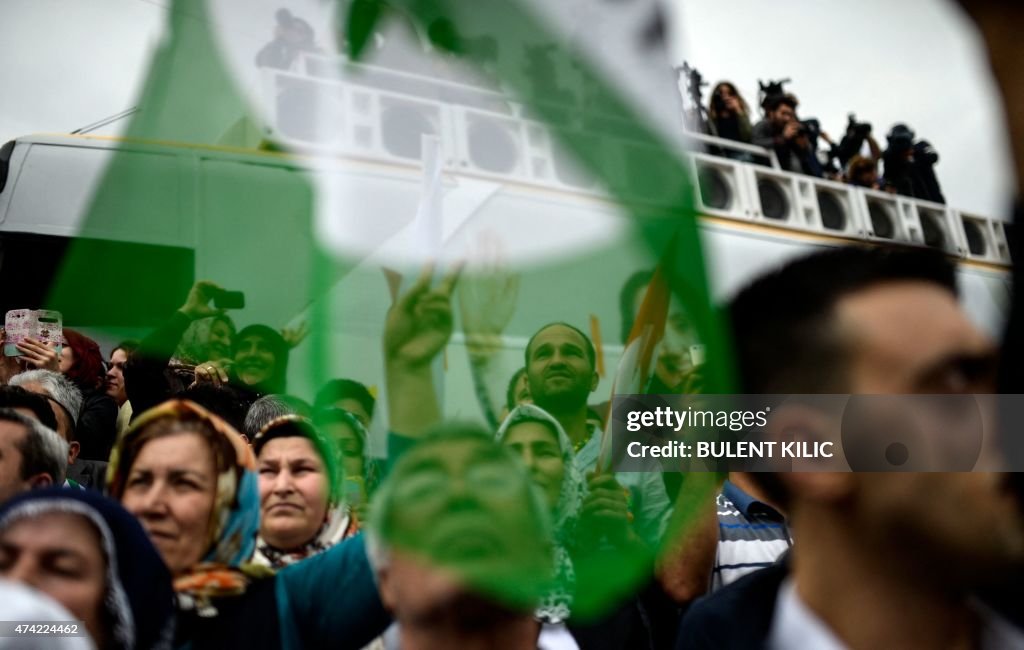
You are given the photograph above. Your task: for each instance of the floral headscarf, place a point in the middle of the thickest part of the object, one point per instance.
(235, 517)
(555, 606)
(339, 523)
(193, 348)
(371, 468)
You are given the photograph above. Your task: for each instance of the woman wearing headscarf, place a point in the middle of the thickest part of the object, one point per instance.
(541, 442)
(586, 554)
(361, 472)
(205, 339)
(105, 572)
(259, 362)
(302, 510)
(162, 365)
(191, 480)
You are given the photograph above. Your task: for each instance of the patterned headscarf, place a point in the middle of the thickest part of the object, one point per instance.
(555, 606)
(235, 517)
(339, 523)
(193, 348)
(371, 468)
(138, 600)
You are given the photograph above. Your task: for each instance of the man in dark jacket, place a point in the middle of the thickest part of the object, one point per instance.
(879, 559)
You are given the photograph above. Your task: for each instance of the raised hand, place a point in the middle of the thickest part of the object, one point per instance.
(197, 305)
(293, 336)
(419, 323)
(487, 301)
(39, 355)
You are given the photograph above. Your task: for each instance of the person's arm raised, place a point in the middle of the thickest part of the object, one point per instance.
(418, 326)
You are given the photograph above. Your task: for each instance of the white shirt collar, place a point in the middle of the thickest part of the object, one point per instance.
(794, 625)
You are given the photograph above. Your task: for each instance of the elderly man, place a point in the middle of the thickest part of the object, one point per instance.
(66, 401)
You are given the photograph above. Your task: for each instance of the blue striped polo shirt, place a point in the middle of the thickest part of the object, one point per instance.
(751, 536)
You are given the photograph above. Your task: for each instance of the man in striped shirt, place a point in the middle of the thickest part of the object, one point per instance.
(752, 534)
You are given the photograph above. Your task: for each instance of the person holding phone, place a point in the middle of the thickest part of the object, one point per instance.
(82, 363)
(164, 363)
(255, 359)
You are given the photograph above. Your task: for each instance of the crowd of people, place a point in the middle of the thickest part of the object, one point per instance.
(800, 145)
(186, 499)
(175, 494)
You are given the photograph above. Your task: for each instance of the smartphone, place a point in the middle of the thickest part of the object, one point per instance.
(697, 355)
(45, 325)
(224, 299)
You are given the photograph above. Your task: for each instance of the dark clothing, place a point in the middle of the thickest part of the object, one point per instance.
(149, 381)
(249, 621)
(90, 474)
(736, 616)
(326, 601)
(1011, 380)
(96, 428)
(734, 127)
(791, 158)
(146, 379)
(910, 177)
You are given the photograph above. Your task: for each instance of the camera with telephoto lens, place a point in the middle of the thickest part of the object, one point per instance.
(857, 129)
(901, 138)
(810, 127)
(925, 153)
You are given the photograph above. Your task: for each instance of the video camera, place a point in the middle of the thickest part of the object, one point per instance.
(852, 142)
(857, 129)
(810, 127)
(900, 138)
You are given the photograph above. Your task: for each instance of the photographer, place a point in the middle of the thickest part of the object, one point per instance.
(729, 114)
(857, 133)
(782, 131)
(910, 166)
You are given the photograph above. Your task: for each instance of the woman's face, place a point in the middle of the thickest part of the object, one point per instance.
(67, 358)
(537, 446)
(59, 554)
(218, 346)
(254, 360)
(293, 492)
(171, 488)
(350, 444)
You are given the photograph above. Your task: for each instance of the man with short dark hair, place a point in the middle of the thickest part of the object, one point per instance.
(781, 131)
(31, 455)
(29, 404)
(880, 559)
(561, 372)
